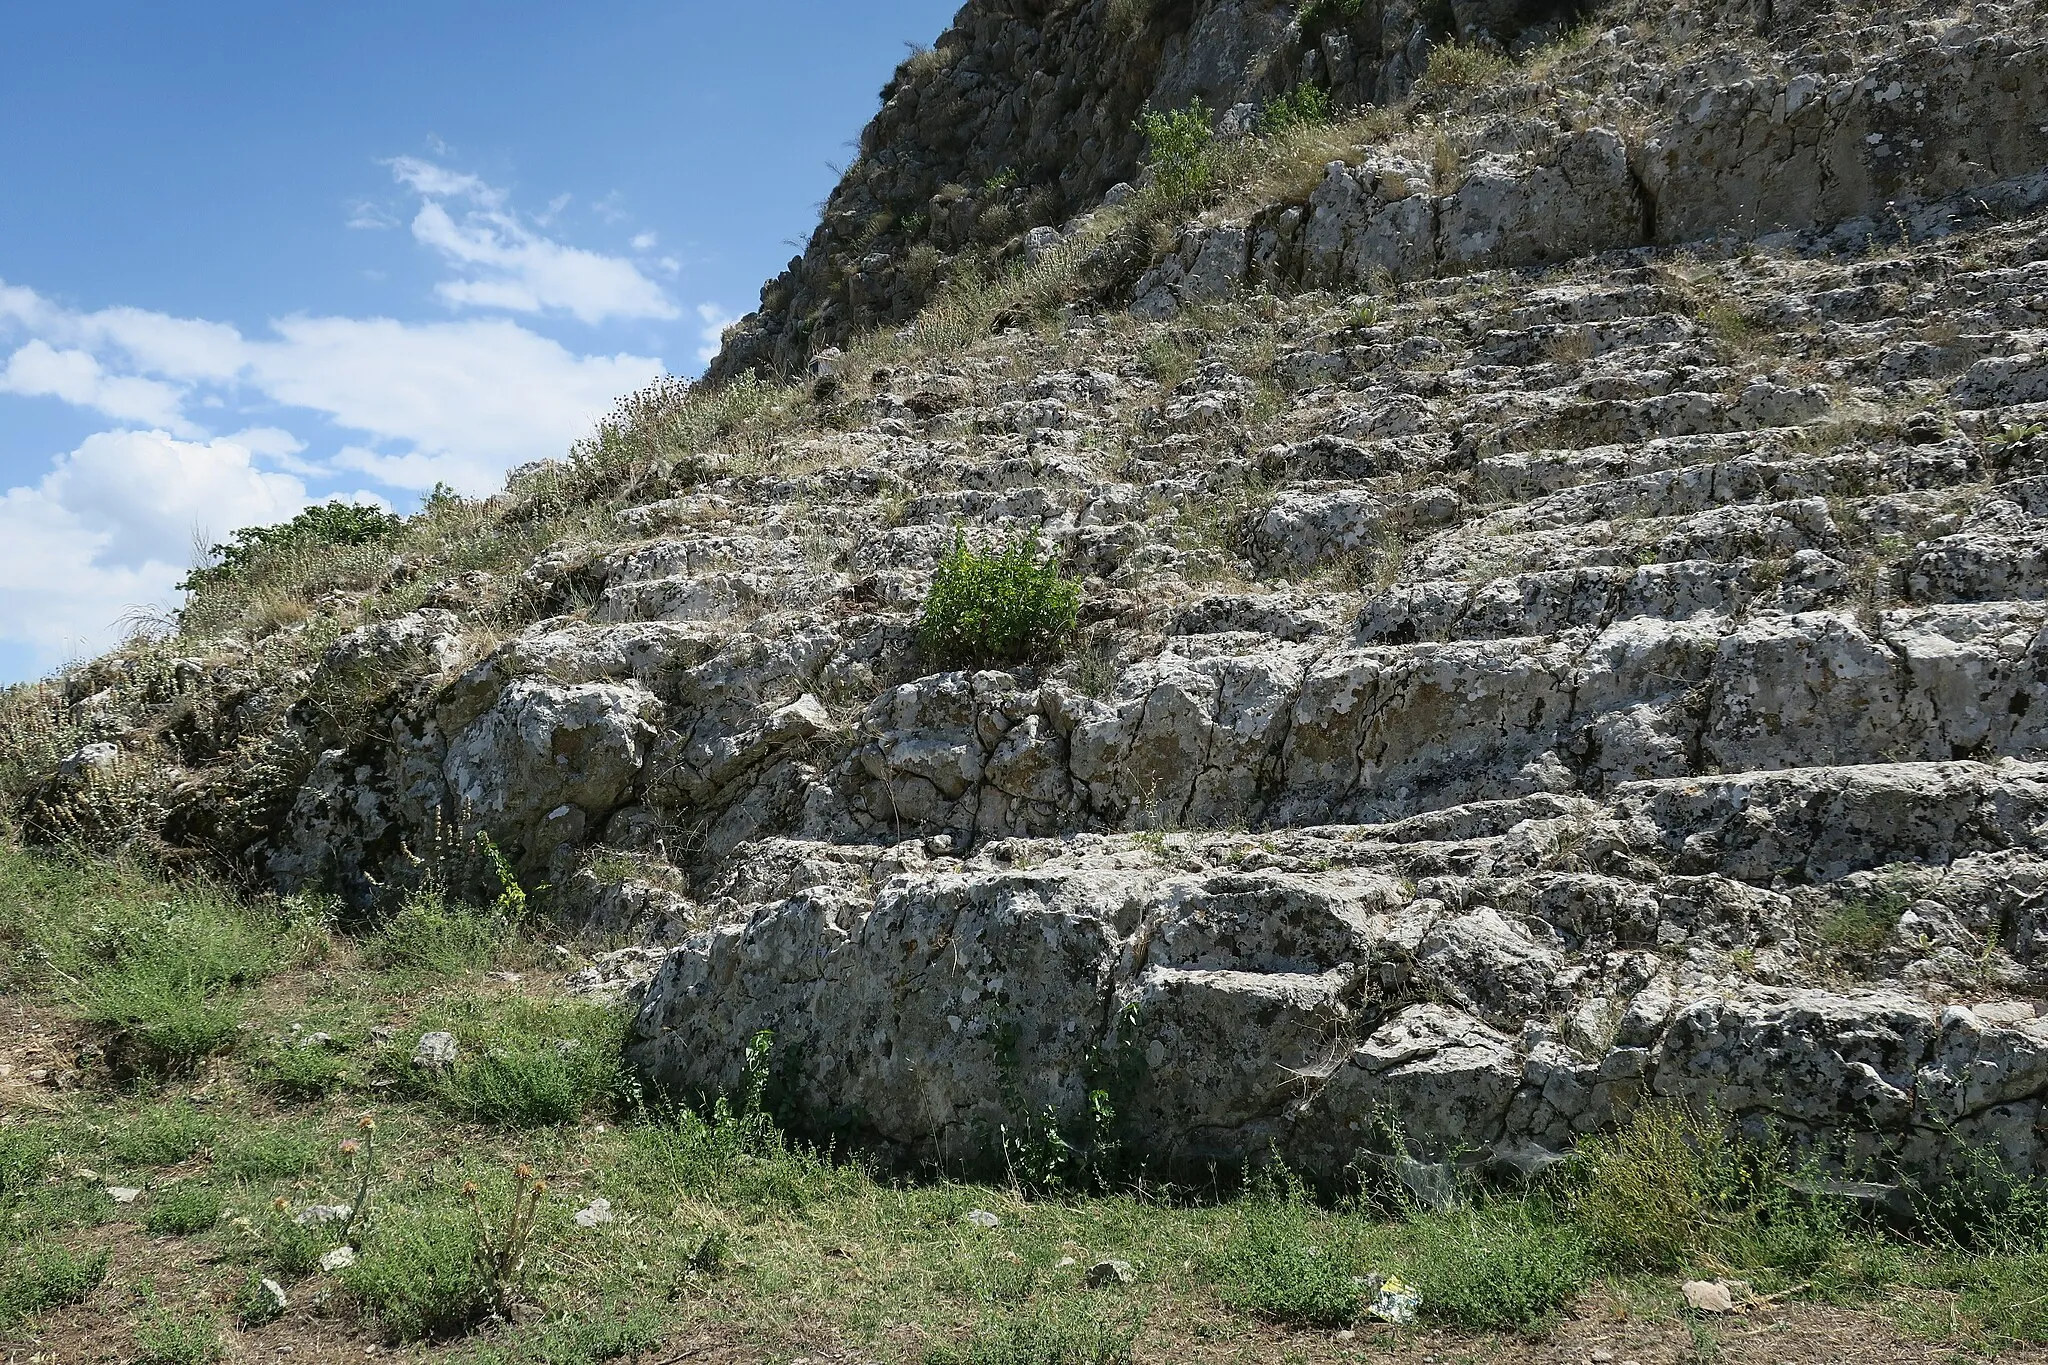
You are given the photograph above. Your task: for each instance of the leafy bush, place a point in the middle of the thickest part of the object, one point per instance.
(1009, 606)
(1305, 106)
(1179, 149)
(254, 548)
(162, 1135)
(182, 1209)
(44, 1275)
(1059, 1332)
(1501, 1266)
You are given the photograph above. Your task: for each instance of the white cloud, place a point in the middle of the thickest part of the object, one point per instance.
(711, 336)
(644, 241)
(455, 402)
(112, 528)
(430, 181)
(503, 263)
(39, 370)
(472, 399)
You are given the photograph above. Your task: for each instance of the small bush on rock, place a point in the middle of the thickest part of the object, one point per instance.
(1012, 605)
(1178, 148)
(1305, 106)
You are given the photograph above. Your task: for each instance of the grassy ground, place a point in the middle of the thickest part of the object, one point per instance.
(184, 1074)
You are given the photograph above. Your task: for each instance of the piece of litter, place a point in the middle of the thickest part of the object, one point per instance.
(597, 1211)
(982, 1218)
(1066, 1261)
(276, 1292)
(1396, 1302)
(319, 1215)
(341, 1258)
(1708, 1296)
(122, 1194)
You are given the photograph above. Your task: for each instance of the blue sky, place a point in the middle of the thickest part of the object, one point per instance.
(253, 255)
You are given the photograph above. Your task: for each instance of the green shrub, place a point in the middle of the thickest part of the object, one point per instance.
(1009, 606)
(418, 1273)
(162, 1135)
(182, 1209)
(1498, 1267)
(731, 1158)
(254, 549)
(1654, 1194)
(1180, 150)
(1059, 1332)
(530, 1064)
(1290, 1264)
(429, 936)
(1305, 106)
(1859, 927)
(43, 1275)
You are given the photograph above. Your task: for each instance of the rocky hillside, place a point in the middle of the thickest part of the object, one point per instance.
(1563, 558)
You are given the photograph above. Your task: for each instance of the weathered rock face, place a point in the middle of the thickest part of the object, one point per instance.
(1024, 113)
(1569, 671)
(1498, 984)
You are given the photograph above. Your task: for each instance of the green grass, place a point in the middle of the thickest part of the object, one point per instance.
(429, 936)
(43, 1275)
(24, 1157)
(1508, 1266)
(161, 1134)
(724, 1228)
(1070, 1331)
(261, 1153)
(182, 1209)
(1292, 1263)
(166, 1336)
(417, 1275)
